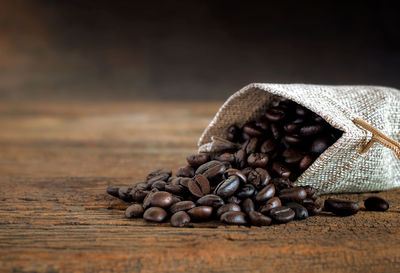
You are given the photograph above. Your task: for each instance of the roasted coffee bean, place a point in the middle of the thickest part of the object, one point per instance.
(196, 160)
(201, 213)
(159, 185)
(176, 199)
(281, 169)
(252, 145)
(233, 133)
(375, 203)
(246, 191)
(301, 111)
(298, 120)
(305, 162)
(225, 157)
(282, 215)
(175, 189)
(268, 146)
(262, 124)
(113, 191)
(184, 181)
(148, 198)
(134, 211)
(292, 156)
(211, 200)
(341, 207)
(247, 205)
(266, 193)
(233, 200)
(199, 186)
(274, 202)
(252, 130)
(259, 177)
(227, 207)
(186, 171)
(159, 174)
(257, 160)
(319, 145)
(291, 128)
(124, 193)
(281, 183)
(140, 186)
(310, 191)
(311, 130)
(276, 132)
(234, 218)
(230, 172)
(138, 195)
(259, 219)
(275, 114)
(180, 219)
(313, 208)
(244, 137)
(227, 187)
(293, 139)
(155, 214)
(297, 194)
(182, 205)
(211, 169)
(300, 211)
(161, 199)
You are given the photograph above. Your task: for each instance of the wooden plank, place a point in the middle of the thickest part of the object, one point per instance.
(56, 159)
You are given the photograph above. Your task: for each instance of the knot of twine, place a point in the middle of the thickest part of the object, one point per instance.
(379, 137)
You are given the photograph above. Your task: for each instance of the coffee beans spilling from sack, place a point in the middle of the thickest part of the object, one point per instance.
(249, 181)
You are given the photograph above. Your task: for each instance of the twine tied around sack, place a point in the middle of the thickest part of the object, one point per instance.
(379, 137)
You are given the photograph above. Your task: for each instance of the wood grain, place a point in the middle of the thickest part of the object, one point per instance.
(56, 159)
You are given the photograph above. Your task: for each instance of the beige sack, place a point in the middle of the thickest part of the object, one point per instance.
(354, 163)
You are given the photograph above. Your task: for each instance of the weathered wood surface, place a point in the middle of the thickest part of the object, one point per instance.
(56, 159)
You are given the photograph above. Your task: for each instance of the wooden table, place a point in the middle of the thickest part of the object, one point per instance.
(56, 160)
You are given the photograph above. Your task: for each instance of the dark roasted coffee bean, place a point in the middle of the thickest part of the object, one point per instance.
(275, 114)
(298, 120)
(233, 200)
(262, 124)
(184, 181)
(113, 191)
(241, 175)
(148, 198)
(138, 195)
(305, 162)
(234, 218)
(375, 203)
(211, 169)
(244, 137)
(310, 191)
(293, 139)
(252, 145)
(319, 145)
(140, 186)
(182, 205)
(297, 194)
(176, 199)
(185, 171)
(155, 214)
(180, 219)
(124, 193)
(134, 211)
(175, 189)
(161, 199)
(282, 215)
(257, 160)
(211, 200)
(281, 183)
(311, 130)
(159, 185)
(225, 157)
(252, 130)
(199, 186)
(201, 213)
(259, 219)
(301, 111)
(274, 202)
(266, 193)
(159, 174)
(268, 146)
(240, 158)
(259, 177)
(233, 133)
(341, 207)
(247, 205)
(300, 211)
(317, 118)
(281, 169)
(307, 201)
(227, 187)
(196, 160)
(276, 132)
(246, 191)
(313, 208)
(291, 128)
(292, 156)
(226, 208)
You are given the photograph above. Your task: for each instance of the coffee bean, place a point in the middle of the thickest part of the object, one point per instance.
(341, 207)
(319, 145)
(180, 219)
(268, 146)
(225, 157)
(138, 195)
(275, 114)
(282, 215)
(199, 186)
(276, 132)
(124, 193)
(259, 177)
(134, 211)
(233, 133)
(292, 156)
(159, 174)
(227, 207)
(181, 206)
(161, 199)
(291, 128)
(201, 213)
(176, 199)
(175, 189)
(233, 200)
(155, 214)
(252, 145)
(313, 208)
(274, 202)
(196, 160)
(297, 194)
(281, 183)
(247, 205)
(252, 130)
(305, 162)
(238, 173)
(246, 191)
(266, 193)
(310, 130)
(257, 160)
(159, 185)
(281, 169)
(185, 171)
(184, 181)
(227, 187)
(300, 211)
(310, 191)
(211, 200)
(301, 111)
(293, 139)
(140, 186)
(234, 218)
(262, 124)
(148, 198)
(211, 169)
(240, 158)
(375, 203)
(259, 219)
(113, 191)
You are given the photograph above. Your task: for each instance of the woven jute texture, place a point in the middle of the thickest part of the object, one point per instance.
(342, 167)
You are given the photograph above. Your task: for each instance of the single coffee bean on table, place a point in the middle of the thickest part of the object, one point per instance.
(375, 203)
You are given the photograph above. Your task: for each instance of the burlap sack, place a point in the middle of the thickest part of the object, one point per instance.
(369, 116)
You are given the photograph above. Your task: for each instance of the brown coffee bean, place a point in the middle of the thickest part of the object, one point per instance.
(225, 157)
(313, 208)
(155, 214)
(238, 173)
(148, 198)
(159, 174)
(262, 124)
(181, 206)
(297, 194)
(211, 169)
(292, 156)
(319, 145)
(227, 187)
(185, 171)
(341, 207)
(196, 160)
(124, 193)
(259, 219)
(276, 132)
(282, 215)
(281, 169)
(199, 186)
(233, 200)
(310, 130)
(234, 218)
(266, 193)
(113, 191)
(159, 185)
(257, 160)
(275, 114)
(180, 219)
(291, 128)
(134, 211)
(293, 139)
(259, 177)
(268, 146)
(184, 181)
(301, 111)
(305, 162)
(201, 213)
(252, 145)
(274, 202)
(161, 199)
(233, 133)
(247, 205)
(310, 191)
(246, 191)
(175, 189)
(227, 207)
(375, 203)
(211, 200)
(300, 211)
(138, 195)
(252, 130)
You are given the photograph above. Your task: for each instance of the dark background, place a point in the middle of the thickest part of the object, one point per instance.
(98, 50)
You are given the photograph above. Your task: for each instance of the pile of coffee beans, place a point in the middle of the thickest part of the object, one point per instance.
(249, 180)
